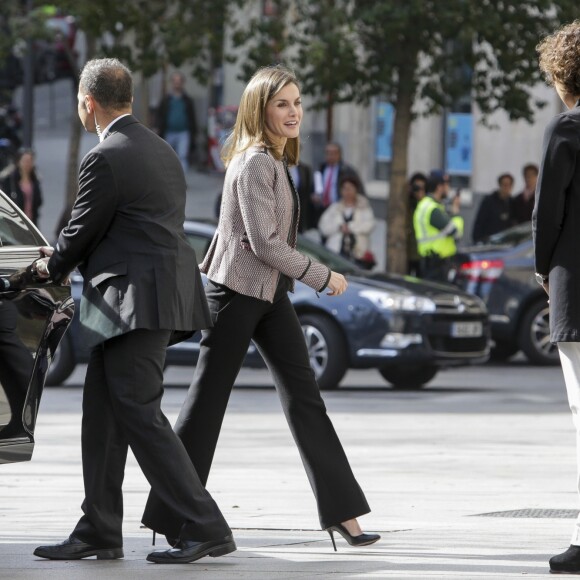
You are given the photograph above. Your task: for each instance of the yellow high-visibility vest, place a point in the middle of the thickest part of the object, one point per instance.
(430, 240)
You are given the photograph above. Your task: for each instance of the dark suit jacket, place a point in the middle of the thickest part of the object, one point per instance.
(305, 189)
(345, 170)
(522, 208)
(493, 216)
(556, 223)
(126, 236)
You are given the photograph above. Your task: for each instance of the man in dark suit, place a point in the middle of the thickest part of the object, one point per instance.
(303, 180)
(331, 174)
(142, 291)
(494, 213)
(523, 202)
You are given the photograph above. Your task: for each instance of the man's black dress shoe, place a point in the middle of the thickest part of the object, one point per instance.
(75, 549)
(186, 551)
(567, 562)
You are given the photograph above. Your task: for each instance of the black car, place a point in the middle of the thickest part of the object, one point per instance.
(406, 328)
(34, 316)
(501, 272)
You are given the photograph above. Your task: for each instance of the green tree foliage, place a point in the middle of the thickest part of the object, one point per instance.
(263, 39)
(148, 35)
(315, 38)
(326, 53)
(415, 53)
(421, 55)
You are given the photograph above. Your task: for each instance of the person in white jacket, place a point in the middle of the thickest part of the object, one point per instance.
(347, 224)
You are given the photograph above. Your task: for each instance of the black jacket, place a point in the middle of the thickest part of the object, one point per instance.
(556, 223)
(11, 187)
(126, 236)
(345, 170)
(493, 216)
(522, 208)
(305, 189)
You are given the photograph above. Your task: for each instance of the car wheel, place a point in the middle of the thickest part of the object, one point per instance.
(326, 349)
(535, 335)
(502, 350)
(62, 365)
(409, 377)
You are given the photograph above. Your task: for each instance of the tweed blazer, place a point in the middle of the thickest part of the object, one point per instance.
(255, 239)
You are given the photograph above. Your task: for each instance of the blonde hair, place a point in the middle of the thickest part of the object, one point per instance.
(250, 127)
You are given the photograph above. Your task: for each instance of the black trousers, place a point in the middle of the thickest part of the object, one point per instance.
(278, 335)
(121, 409)
(435, 268)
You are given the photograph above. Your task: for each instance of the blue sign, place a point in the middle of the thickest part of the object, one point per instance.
(384, 136)
(459, 143)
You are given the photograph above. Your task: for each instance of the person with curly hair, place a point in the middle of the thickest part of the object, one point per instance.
(556, 223)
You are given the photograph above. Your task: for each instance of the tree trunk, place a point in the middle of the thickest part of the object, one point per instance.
(144, 110)
(398, 203)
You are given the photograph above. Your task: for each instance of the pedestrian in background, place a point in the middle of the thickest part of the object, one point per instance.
(142, 291)
(176, 120)
(417, 191)
(23, 186)
(329, 177)
(523, 202)
(435, 230)
(556, 228)
(495, 210)
(346, 225)
(251, 265)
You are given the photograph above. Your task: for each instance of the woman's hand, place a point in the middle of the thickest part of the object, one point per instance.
(337, 284)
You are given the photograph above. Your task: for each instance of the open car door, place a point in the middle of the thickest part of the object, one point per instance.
(33, 318)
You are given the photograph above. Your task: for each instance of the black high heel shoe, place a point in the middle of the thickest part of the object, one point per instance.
(360, 540)
(170, 541)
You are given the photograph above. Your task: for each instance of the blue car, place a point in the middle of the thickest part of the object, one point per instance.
(405, 327)
(501, 272)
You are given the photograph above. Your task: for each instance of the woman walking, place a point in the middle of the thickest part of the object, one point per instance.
(251, 264)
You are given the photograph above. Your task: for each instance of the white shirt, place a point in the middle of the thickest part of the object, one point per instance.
(108, 127)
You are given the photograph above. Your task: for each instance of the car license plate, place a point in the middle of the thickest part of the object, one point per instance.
(466, 329)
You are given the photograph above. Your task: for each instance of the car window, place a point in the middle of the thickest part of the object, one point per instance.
(512, 236)
(15, 230)
(199, 243)
(323, 255)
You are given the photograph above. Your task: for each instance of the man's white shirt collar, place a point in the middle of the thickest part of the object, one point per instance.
(108, 127)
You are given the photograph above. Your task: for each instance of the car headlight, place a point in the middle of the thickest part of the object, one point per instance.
(398, 301)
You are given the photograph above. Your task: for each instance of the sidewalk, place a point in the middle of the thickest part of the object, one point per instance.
(464, 482)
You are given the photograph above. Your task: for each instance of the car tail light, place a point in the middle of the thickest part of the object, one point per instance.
(478, 276)
(481, 270)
